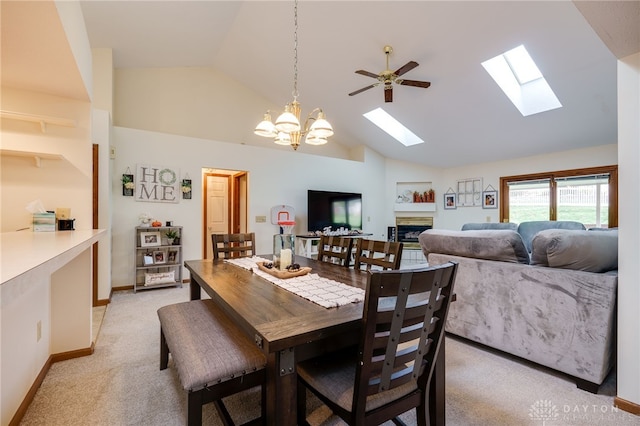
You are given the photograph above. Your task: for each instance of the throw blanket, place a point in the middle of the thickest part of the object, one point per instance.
(322, 291)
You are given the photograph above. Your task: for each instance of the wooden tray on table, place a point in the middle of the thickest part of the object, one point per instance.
(284, 274)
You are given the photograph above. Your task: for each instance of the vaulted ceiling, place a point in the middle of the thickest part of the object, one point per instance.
(463, 117)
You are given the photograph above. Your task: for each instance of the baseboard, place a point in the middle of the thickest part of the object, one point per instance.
(123, 288)
(624, 405)
(63, 356)
(28, 398)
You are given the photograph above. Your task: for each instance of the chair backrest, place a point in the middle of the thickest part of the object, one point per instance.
(403, 326)
(335, 250)
(227, 246)
(373, 254)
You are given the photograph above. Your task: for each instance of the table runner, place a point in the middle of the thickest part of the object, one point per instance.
(322, 291)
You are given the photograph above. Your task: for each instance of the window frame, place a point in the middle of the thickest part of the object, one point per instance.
(611, 170)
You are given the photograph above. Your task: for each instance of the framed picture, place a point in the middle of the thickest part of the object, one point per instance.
(172, 256)
(150, 239)
(490, 199)
(159, 257)
(147, 259)
(450, 201)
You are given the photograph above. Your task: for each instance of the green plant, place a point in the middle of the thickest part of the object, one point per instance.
(171, 234)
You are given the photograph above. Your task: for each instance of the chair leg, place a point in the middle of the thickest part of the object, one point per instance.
(164, 351)
(194, 408)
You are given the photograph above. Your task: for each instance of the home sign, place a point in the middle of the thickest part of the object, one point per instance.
(157, 184)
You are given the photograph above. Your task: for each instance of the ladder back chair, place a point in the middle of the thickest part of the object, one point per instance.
(377, 255)
(402, 330)
(335, 250)
(227, 246)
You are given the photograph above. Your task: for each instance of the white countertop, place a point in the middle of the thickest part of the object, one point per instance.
(24, 251)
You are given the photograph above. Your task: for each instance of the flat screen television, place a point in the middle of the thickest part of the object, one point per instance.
(334, 209)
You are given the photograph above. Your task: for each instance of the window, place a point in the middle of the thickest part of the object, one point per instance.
(589, 196)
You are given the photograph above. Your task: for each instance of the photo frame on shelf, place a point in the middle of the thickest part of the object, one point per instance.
(172, 256)
(450, 201)
(159, 257)
(150, 239)
(147, 259)
(490, 199)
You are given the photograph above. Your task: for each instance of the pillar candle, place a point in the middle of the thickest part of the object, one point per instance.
(285, 258)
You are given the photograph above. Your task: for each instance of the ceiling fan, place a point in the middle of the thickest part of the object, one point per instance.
(389, 77)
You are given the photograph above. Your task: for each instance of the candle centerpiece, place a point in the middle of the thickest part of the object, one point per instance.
(283, 251)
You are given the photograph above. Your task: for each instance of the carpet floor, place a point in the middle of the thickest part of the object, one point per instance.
(121, 384)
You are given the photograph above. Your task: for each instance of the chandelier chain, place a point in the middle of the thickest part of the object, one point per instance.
(295, 51)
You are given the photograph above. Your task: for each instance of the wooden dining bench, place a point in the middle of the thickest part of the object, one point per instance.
(214, 357)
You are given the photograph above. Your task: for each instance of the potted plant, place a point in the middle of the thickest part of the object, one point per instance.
(127, 185)
(172, 235)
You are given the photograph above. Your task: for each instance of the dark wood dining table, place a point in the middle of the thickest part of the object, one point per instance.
(289, 328)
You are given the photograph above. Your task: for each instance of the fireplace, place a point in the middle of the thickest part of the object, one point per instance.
(409, 228)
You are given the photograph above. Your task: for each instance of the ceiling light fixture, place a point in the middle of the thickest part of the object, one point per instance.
(287, 129)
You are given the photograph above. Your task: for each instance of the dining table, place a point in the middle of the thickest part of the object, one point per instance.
(289, 328)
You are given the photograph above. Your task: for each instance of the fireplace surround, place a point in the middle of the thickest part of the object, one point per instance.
(409, 228)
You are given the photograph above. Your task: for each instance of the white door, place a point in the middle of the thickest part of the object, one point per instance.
(217, 208)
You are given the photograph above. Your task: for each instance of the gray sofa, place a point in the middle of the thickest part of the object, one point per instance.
(555, 306)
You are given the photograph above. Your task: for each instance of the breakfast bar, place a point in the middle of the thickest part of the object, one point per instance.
(45, 306)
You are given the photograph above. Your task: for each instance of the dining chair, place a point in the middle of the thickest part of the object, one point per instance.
(390, 373)
(377, 255)
(335, 250)
(227, 246)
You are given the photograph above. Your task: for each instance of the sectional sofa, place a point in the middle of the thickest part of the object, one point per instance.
(555, 305)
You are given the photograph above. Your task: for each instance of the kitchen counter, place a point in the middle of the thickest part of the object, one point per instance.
(46, 291)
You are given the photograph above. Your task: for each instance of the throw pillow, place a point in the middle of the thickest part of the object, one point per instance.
(578, 250)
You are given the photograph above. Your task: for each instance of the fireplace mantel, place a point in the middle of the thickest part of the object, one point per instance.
(415, 207)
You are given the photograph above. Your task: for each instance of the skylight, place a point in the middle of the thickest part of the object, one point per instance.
(520, 79)
(393, 127)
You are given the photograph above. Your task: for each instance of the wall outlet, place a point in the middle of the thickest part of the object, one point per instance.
(38, 331)
(488, 219)
(261, 219)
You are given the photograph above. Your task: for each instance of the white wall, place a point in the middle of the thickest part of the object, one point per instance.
(490, 173)
(57, 183)
(283, 177)
(275, 177)
(629, 212)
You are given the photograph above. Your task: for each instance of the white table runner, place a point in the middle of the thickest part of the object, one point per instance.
(322, 291)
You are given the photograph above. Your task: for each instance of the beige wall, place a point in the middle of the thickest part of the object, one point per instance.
(57, 183)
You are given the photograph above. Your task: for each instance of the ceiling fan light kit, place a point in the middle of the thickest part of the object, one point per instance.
(287, 129)
(389, 77)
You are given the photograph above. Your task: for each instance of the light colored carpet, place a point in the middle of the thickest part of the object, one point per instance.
(121, 384)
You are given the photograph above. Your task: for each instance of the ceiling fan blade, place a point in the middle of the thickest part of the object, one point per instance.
(388, 94)
(415, 83)
(406, 68)
(367, 73)
(363, 89)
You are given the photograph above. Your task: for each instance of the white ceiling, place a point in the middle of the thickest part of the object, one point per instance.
(463, 116)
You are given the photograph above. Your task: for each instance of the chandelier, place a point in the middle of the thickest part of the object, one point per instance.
(287, 129)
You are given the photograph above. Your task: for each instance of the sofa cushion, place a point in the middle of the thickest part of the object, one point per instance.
(528, 230)
(502, 245)
(578, 250)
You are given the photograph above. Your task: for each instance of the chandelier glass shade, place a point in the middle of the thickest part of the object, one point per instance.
(287, 129)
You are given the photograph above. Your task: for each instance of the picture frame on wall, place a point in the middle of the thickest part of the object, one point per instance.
(150, 239)
(450, 201)
(490, 199)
